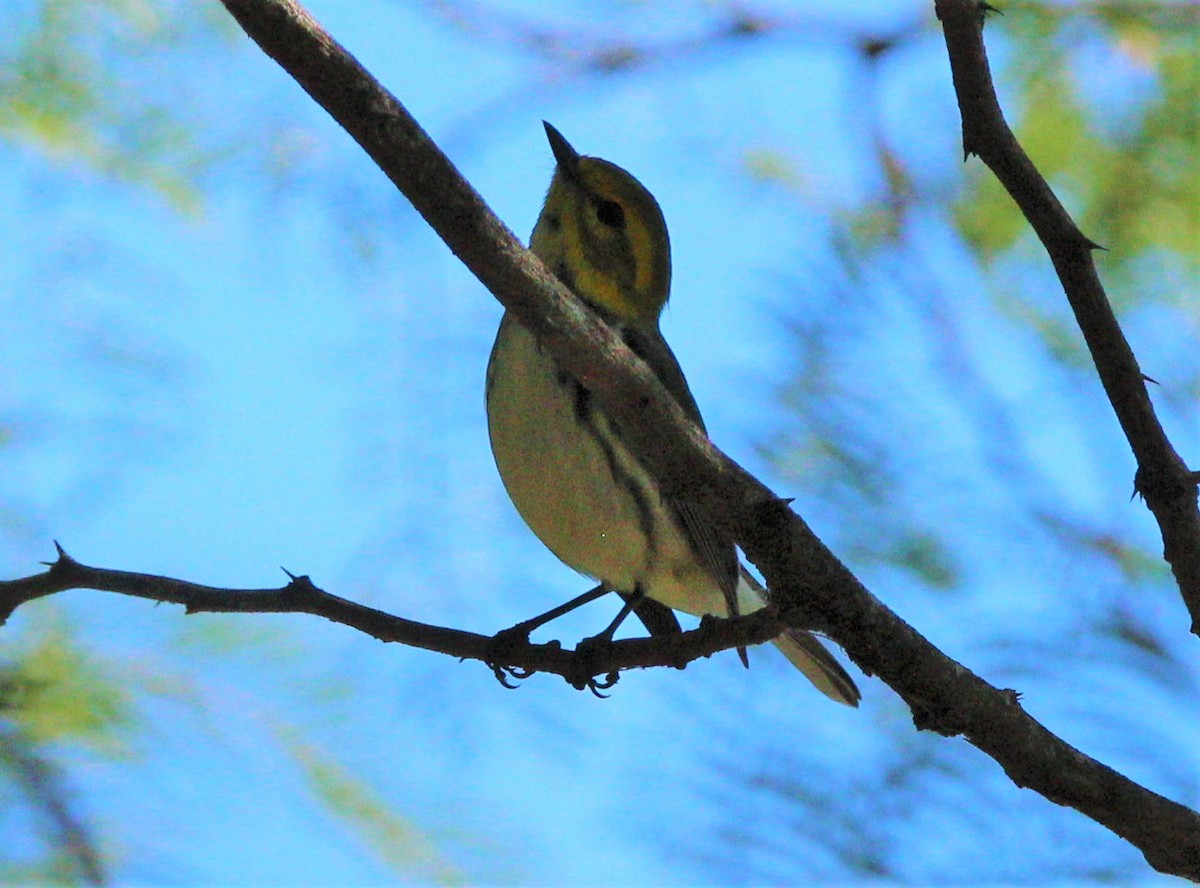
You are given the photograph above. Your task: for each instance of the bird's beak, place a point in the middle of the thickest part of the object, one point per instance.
(567, 157)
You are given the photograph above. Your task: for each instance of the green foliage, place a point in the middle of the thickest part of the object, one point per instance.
(396, 839)
(61, 95)
(55, 691)
(57, 701)
(773, 167)
(1129, 170)
(1103, 97)
(64, 96)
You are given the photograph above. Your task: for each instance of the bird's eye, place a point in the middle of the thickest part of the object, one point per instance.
(610, 213)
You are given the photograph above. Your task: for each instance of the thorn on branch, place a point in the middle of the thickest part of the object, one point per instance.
(301, 587)
(63, 564)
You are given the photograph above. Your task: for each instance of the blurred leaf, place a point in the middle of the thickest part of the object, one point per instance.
(216, 635)
(60, 91)
(59, 692)
(1133, 191)
(772, 167)
(925, 555)
(56, 698)
(873, 225)
(397, 840)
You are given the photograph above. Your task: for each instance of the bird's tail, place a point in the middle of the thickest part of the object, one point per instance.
(802, 648)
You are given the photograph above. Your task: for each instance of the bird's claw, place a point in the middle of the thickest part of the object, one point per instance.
(596, 685)
(585, 673)
(500, 651)
(502, 673)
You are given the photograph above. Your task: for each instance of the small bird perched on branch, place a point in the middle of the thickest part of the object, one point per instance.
(563, 460)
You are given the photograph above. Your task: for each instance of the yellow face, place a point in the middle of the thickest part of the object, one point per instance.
(604, 235)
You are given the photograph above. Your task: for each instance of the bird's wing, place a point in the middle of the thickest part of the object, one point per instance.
(717, 553)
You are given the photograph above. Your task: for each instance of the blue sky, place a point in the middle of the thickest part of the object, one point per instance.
(293, 376)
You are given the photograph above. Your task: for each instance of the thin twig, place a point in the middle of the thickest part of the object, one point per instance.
(509, 654)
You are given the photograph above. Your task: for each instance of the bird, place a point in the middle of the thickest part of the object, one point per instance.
(562, 458)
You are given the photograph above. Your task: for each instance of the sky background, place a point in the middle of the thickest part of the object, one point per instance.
(289, 373)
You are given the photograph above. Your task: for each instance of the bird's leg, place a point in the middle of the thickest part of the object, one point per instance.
(585, 649)
(503, 641)
(526, 627)
(629, 606)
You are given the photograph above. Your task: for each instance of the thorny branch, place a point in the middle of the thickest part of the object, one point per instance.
(509, 654)
(1162, 477)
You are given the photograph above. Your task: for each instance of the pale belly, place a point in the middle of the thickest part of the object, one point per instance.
(579, 489)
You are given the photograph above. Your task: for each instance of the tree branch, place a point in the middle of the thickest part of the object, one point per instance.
(44, 787)
(510, 654)
(1162, 477)
(811, 587)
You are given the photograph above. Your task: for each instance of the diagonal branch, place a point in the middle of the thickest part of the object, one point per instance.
(43, 785)
(812, 588)
(1170, 490)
